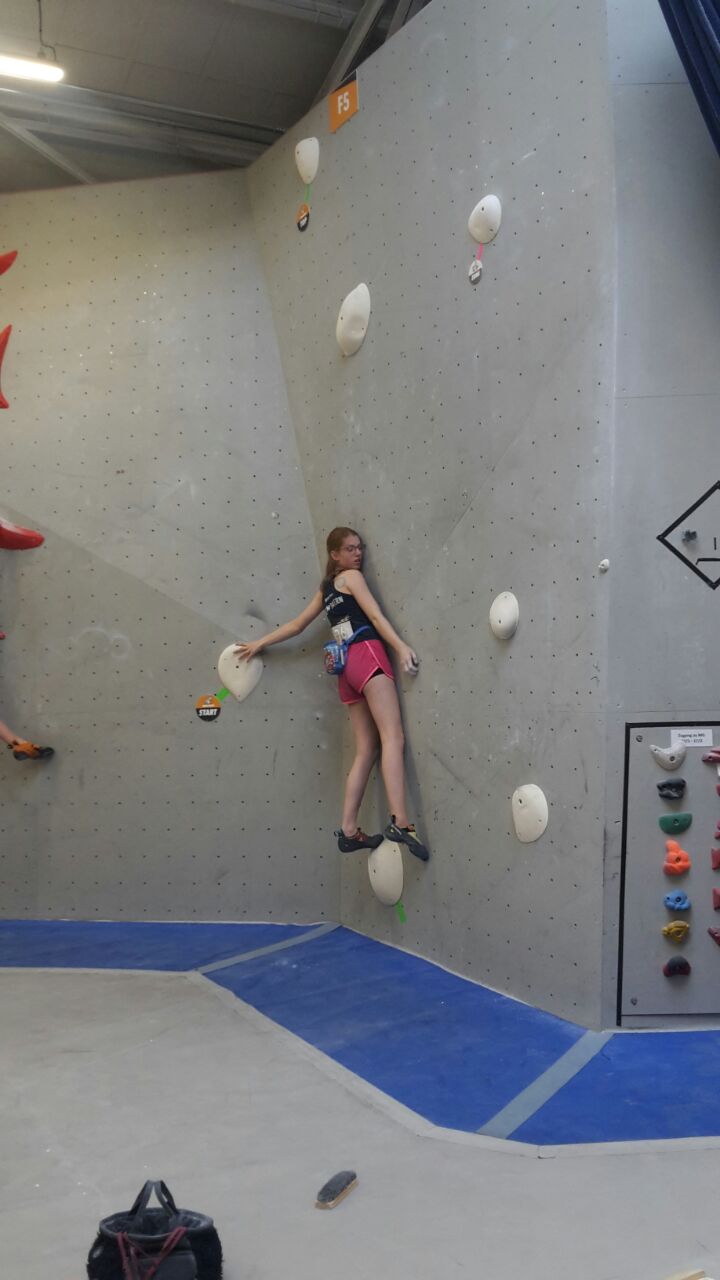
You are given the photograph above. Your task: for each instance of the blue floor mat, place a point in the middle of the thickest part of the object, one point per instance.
(95, 944)
(445, 1047)
(449, 1049)
(640, 1085)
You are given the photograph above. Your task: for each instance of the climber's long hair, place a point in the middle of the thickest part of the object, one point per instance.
(334, 542)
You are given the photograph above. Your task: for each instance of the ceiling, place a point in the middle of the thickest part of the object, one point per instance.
(172, 86)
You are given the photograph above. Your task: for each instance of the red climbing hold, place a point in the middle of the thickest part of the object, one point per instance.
(4, 339)
(677, 967)
(6, 261)
(716, 899)
(715, 935)
(677, 861)
(715, 859)
(712, 757)
(14, 538)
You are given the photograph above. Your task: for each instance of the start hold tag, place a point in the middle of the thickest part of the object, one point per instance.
(208, 707)
(302, 217)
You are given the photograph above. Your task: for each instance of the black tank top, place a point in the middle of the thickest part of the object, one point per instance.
(339, 606)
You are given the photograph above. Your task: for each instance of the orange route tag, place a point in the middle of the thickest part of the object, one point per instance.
(208, 707)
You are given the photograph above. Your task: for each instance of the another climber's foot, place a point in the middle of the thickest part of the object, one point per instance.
(351, 844)
(406, 835)
(29, 751)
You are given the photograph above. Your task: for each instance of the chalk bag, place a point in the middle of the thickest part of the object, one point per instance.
(164, 1243)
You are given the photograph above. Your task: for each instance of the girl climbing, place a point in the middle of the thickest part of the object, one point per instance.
(366, 686)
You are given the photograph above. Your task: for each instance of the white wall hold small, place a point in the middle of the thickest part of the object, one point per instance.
(603, 566)
(239, 676)
(669, 758)
(530, 813)
(484, 221)
(307, 159)
(352, 322)
(504, 615)
(385, 868)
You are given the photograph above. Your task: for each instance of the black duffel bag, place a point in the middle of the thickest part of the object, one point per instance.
(156, 1244)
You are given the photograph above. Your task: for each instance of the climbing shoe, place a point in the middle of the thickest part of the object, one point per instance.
(408, 836)
(351, 844)
(29, 751)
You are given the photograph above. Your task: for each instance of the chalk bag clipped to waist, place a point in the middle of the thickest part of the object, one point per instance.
(164, 1243)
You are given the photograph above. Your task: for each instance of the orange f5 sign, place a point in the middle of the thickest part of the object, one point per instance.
(343, 103)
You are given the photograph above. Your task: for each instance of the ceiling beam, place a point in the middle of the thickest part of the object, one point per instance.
(351, 46)
(399, 17)
(323, 12)
(44, 149)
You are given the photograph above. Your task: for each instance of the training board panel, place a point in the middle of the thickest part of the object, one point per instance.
(645, 991)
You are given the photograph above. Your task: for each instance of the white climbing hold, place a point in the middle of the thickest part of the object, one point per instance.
(239, 676)
(484, 221)
(352, 322)
(385, 868)
(603, 566)
(504, 615)
(307, 159)
(669, 758)
(530, 813)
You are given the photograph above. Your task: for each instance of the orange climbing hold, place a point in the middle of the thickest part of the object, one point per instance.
(677, 860)
(6, 261)
(4, 339)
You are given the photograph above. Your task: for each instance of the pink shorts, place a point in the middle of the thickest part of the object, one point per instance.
(365, 657)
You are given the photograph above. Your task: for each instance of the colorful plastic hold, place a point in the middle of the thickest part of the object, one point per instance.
(677, 930)
(677, 967)
(6, 261)
(14, 538)
(715, 859)
(677, 860)
(716, 899)
(4, 339)
(673, 823)
(673, 789)
(712, 757)
(669, 758)
(677, 901)
(715, 935)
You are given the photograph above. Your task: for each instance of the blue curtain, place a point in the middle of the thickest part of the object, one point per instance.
(695, 28)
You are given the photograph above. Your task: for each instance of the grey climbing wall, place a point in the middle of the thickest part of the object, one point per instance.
(468, 442)
(664, 616)
(149, 439)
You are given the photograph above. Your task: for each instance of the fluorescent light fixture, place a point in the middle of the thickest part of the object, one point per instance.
(26, 69)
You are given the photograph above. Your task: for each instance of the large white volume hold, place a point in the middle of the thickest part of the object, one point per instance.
(352, 322)
(504, 615)
(530, 813)
(307, 159)
(484, 221)
(239, 676)
(385, 868)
